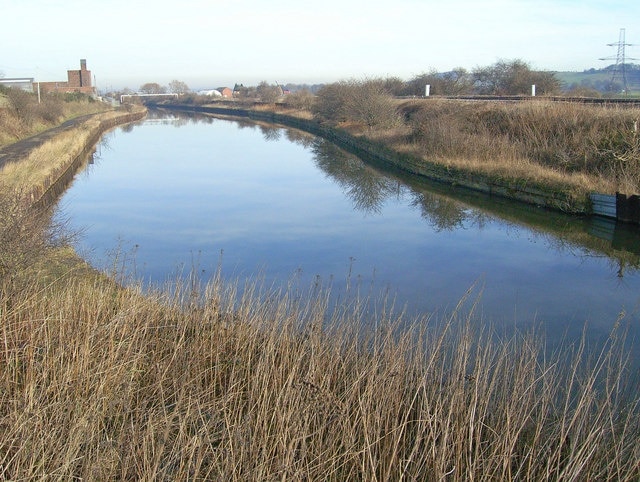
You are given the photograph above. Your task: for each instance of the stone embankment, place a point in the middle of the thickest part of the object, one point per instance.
(381, 154)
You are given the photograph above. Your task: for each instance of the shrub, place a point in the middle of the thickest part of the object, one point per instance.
(50, 111)
(302, 99)
(22, 104)
(366, 102)
(26, 235)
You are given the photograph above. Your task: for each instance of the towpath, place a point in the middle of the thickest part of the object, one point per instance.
(20, 149)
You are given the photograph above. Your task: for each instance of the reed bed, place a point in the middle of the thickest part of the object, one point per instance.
(217, 383)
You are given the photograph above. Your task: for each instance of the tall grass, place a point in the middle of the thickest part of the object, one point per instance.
(100, 383)
(582, 146)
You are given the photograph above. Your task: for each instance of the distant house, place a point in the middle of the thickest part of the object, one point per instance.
(239, 90)
(211, 93)
(23, 83)
(225, 91)
(77, 81)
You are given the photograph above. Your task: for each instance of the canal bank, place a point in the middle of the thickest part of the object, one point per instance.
(380, 154)
(46, 190)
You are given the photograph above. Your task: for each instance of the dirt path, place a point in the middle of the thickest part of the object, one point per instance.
(17, 150)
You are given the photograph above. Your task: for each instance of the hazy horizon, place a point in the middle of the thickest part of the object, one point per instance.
(209, 44)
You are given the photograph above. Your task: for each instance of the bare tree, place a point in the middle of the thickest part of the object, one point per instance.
(23, 104)
(26, 234)
(268, 93)
(513, 77)
(367, 102)
(178, 87)
(331, 101)
(371, 104)
(455, 82)
(152, 88)
(302, 99)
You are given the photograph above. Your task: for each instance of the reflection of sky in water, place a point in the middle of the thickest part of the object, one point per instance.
(191, 191)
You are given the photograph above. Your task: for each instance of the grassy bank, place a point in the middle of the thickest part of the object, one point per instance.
(201, 383)
(557, 147)
(579, 147)
(46, 166)
(22, 114)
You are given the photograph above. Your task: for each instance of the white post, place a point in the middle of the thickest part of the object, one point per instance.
(38, 92)
(533, 90)
(427, 90)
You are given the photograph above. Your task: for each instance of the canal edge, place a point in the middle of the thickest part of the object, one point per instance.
(380, 153)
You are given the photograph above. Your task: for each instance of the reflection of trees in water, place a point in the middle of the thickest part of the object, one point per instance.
(128, 127)
(301, 138)
(360, 183)
(270, 133)
(444, 214)
(242, 124)
(180, 121)
(369, 190)
(175, 119)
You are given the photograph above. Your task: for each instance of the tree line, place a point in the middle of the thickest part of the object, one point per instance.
(513, 77)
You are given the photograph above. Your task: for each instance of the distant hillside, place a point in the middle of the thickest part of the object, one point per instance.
(601, 80)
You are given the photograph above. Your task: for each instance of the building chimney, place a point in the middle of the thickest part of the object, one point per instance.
(83, 64)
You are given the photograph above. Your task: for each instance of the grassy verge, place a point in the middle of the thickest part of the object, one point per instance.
(201, 383)
(579, 147)
(41, 167)
(21, 115)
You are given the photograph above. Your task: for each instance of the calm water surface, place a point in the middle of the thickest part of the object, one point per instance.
(171, 193)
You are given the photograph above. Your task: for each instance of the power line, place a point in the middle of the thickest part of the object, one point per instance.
(619, 69)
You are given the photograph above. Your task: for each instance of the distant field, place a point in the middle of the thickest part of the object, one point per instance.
(599, 79)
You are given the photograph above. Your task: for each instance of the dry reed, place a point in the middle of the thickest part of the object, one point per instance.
(99, 382)
(578, 147)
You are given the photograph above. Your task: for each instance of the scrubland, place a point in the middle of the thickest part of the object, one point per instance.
(563, 146)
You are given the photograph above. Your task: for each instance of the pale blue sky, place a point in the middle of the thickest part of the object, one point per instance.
(212, 43)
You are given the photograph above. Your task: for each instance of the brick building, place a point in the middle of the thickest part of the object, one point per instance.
(77, 81)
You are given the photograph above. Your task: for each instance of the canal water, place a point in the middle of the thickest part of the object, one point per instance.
(180, 192)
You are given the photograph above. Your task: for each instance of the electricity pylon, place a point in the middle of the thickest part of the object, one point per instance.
(619, 69)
